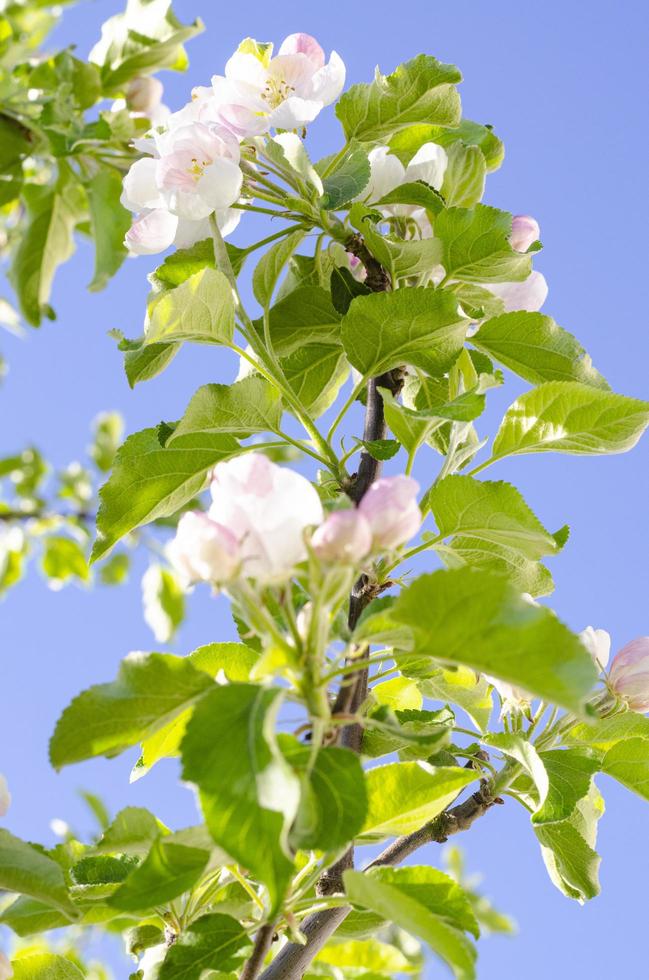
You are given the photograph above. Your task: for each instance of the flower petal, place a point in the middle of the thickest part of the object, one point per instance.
(140, 188)
(152, 232)
(303, 44)
(429, 164)
(220, 185)
(329, 81)
(294, 113)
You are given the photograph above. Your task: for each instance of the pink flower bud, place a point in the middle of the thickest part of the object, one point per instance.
(5, 797)
(344, 537)
(6, 969)
(390, 508)
(629, 675)
(203, 551)
(525, 231)
(144, 94)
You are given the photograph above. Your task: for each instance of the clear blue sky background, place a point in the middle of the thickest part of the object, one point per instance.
(565, 85)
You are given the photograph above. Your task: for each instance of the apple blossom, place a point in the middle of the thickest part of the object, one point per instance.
(6, 969)
(345, 536)
(203, 550)
(525, 231)
(144, 98)
(267, 508)
(530, 294)
(193, 172)
(387, 172)
(5, 796)
(598, 644)
(259, 92)
(390, 508)
(629, 674)
(512, 698)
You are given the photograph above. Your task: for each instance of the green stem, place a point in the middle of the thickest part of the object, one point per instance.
(348, 404)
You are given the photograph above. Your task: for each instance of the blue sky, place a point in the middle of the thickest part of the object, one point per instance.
(565, 86)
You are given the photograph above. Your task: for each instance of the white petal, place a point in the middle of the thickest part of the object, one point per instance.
(530, 294)
(220, 185)
(329, 81)
(246, 69)
(387, 172)
(190, 232)
(429, 164)
(153, 232)
(294, 113)
(140, 188)
(303, 44)
(227, 220)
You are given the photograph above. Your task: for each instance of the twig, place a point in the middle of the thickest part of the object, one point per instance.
(263, 942)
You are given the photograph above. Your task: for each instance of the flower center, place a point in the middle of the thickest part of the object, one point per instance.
(277, 91)
(196, 170)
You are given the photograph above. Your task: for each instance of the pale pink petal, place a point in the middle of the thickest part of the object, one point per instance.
(525, 231)
(386, 173)
(220, 185)
(303, 44)
(144, 94)
(294, 113)
(140, 189)
(345, 536)
(329, 81)
(189, 232)
(390, 507)
(151, 233)
(530, 294)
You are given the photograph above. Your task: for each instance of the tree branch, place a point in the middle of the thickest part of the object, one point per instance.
(263, 942)
(293, 960)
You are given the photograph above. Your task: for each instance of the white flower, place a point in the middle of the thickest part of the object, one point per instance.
(258, 92)
(598, 644)
(144, 98)
(193, 172)
(390, 508)
(203, 551)
(530, 294)
(267, 508)
(5, 796)
(387, 173)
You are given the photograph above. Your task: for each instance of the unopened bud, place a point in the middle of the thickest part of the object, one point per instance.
(629, 675)
(203, 550)
(144, 94)
(525, 231)
(345, 536)
(598, 644)
(390, 508)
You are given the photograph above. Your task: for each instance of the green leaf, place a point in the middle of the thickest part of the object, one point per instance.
(25, 870)
(345, 288)
(186, 262)
(45, 966)
(333, 800)
(569, 417)
(568, 851)
(201, 309)
(149, 481)
(419, 193)
(628, 762)
(347, 180)
(45, 243)
(412, 732)
(316, 373)
(399, 257)
(371, 956)
(494, 512)
(412, 427)
(390, 901)
(464, 177)
(101, 869)
(272, 265)
(213, 942)
(145, 38)
(476, 246)
(464, 688)
(163, 601)
(245, 408)
(115, 570)
(249, 793)
(110, 222)
(381, 449)
(478, 619)
(523, 752)
(537, 349)
(150, 690)
(410, 326)
(63, 559)
(133, 831)
(525, 574)
(304, 316)
(145, 361)
(406, 143)
(570, 773)
(403, 796)
(27, 916)
(421, 90)
(605, 733)
(168, 870)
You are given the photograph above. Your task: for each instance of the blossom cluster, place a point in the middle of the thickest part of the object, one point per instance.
(192, 167)
(257, 525)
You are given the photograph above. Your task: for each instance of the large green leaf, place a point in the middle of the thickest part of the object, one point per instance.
(570, 773)
(569, 417)
(249, 793)
(522, 751)
(568, 851)
(525, 574)
(45, 966)
(403, 796)
(392, 902)
(410, 326)
(242, 409)
(150, 690)
(370, 955)
(304, 316)
(605, 733)
(149, 481)
(478, 619)
(421, 90)
(333, 801)
(494, 512)
(25, 870)
(110, 222)
(628, 762)
(146, 37)
(45, 243)
(406, 143)
(464, 177)
(347, 180)
(476, 245)
(168, 870)
(200, 309)
(537, 349)
(213, 942)
(461, 687)
(316, 374)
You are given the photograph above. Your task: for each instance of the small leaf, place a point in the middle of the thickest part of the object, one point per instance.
(272, 265)
(110, 222)
(168, 870)
(464, 177)
(345, 288)
(245, 408)
(381, 449)
(201, 309)
(45, 966)
(25, 870)
(347, 180)
(213, 942)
